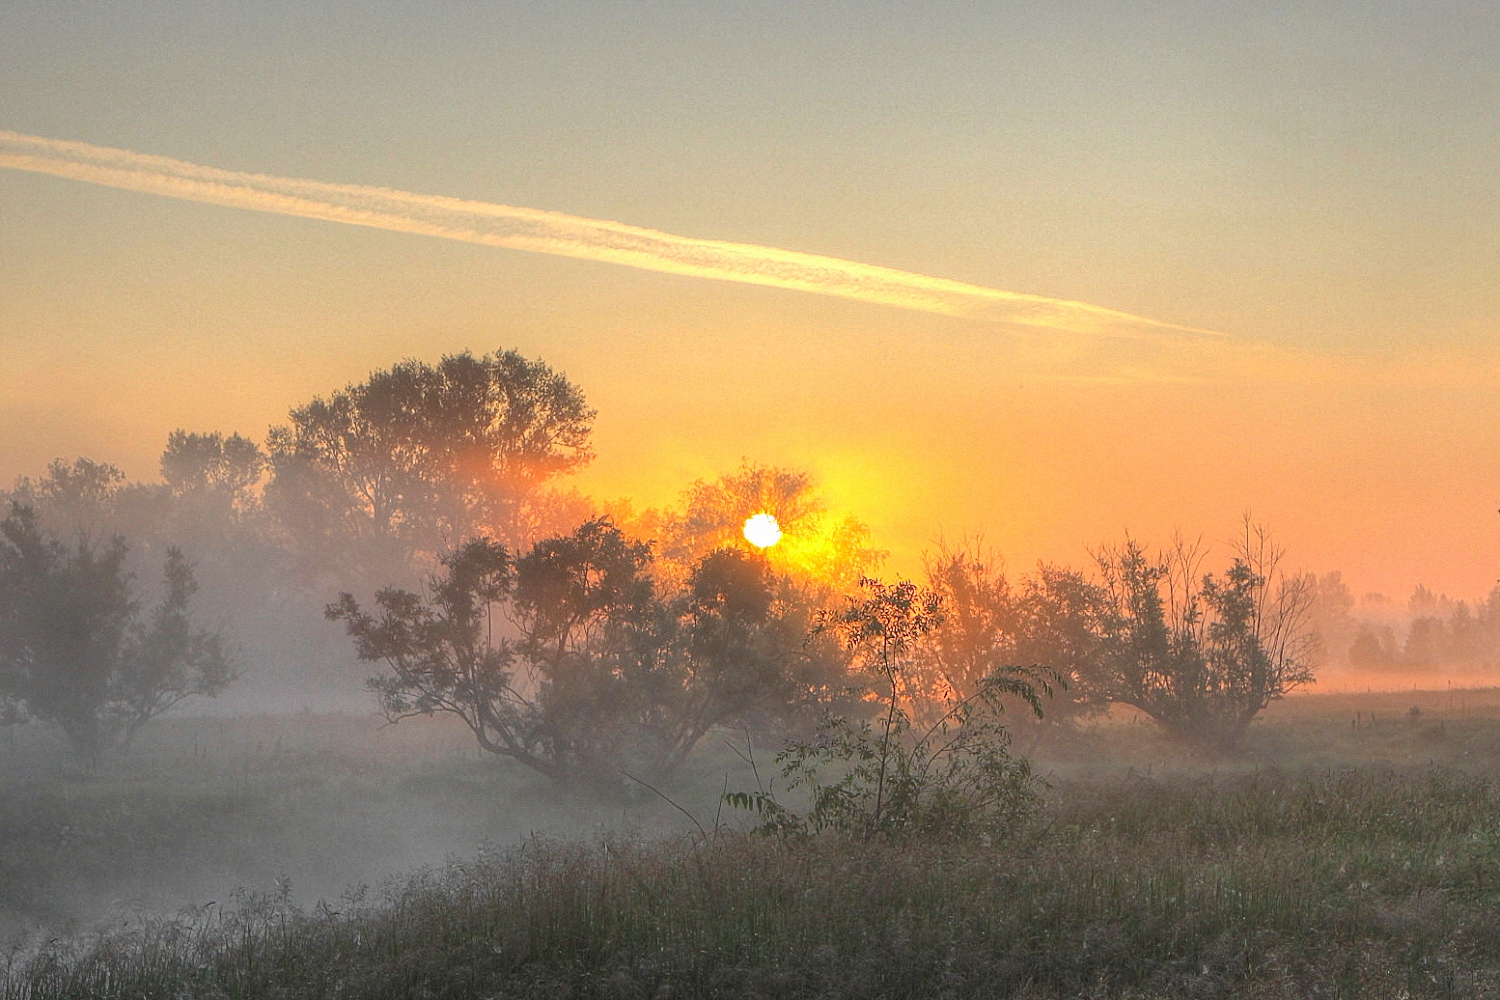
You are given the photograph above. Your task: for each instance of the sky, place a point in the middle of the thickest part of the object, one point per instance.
(1315, 183)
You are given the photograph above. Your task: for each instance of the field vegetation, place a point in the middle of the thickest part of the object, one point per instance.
(320, 856)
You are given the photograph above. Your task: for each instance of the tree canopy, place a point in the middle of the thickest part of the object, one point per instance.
(421, 457)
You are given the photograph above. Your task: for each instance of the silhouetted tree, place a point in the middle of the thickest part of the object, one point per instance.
(1200, 654)
(1046, 623)
(881, 630)
(736, 649)
(75, 650)
(420, 456)
(712, 513)
(569, 661)
(1330, 616)
(1374, 647)
(95, 498)
(72, 496)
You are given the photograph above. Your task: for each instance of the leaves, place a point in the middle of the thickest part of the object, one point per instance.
(1202, 654)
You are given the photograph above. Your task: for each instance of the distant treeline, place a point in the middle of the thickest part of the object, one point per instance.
(1435, 631)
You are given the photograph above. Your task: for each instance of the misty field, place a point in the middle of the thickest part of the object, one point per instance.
(1352, 848)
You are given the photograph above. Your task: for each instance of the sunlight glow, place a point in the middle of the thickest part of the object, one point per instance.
(762, 531)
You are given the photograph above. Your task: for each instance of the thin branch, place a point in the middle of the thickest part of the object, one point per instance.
(665, 798)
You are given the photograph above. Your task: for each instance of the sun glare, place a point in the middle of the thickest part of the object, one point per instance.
(762, 531)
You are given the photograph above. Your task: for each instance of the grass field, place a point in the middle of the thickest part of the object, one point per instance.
(1352, 848)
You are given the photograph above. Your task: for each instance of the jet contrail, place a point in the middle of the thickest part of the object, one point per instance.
(564, 235)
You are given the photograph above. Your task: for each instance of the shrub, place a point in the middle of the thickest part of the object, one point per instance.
(955, 778)
(1200, 654)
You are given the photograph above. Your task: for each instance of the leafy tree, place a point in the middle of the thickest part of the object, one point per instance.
(420, 455)
(76, 496)
(1374, 646)
(1423, 603)
(1200, 654)
(76, 651)
(168, 659)
(826, 554)
(95, 498)
(569, 661)
(199, 464)
(713, 513)
(978, 629)
(1330, 616)
(881, 630)
(1059, 635)
(251, 583)
(741, 641)
(593, 640)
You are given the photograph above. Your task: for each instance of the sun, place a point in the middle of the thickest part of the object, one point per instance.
(762, 531)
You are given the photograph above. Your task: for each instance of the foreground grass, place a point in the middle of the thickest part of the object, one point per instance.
(1360, 883)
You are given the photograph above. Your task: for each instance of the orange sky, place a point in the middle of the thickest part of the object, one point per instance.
(1318, 188)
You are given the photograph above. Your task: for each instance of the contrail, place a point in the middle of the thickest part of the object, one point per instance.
(564, 235)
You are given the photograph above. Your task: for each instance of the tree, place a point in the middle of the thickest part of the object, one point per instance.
(94, 498)
(1046, 622)
(713, 513)
(420, 456)
(1331, 617)
(77, 495)
(723, 660)
(168, 660)
(1060, 612)
(198, 464)
(75, 650)
(1374, 647)
(881, 630)
(979, 626)
(593, 640)
(570, 662)
(1200, 654)
(827, 553)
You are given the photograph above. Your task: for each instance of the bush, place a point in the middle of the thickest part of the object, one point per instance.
(1202, 655)
(956, 778)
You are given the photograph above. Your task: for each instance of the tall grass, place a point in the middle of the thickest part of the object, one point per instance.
(1360, 883)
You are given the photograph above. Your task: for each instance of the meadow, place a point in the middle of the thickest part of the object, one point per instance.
(1350, 848)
